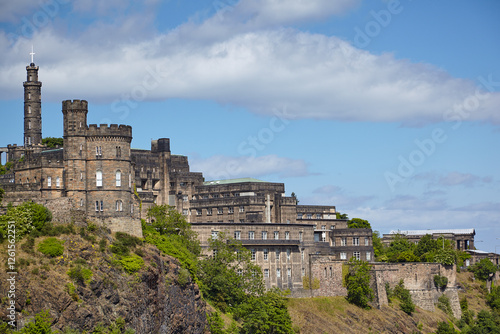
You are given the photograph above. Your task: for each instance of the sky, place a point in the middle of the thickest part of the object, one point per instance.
(387, 109)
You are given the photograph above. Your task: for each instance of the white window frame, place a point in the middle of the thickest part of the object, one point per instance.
(343, 255)
(278, 272)
(118, 178)
(278, 251)
(230, 209)
(343, 241)
(253, 256)
(368, 256)
(276, 235)
(49, 181)
(266, 254)
(251, 235)
(242, 208)
(288, 254)
(266, 273)
(287, 235)
(289, 272)
(356, 255)
(98, 178)
(119, 206)
(355, 241)
(237, 235)
(367, 241)
(264, 235)
(58, 182)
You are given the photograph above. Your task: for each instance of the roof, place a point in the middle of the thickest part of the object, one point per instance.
(424, 232)
(230, 181)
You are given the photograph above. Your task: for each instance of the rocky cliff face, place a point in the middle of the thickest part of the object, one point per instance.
(151, 300)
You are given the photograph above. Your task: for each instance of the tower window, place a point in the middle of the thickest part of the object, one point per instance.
(29, 96)
(98, 178)
(102, 206)
(49, 181)
(58, 182)
(119, 206)
(29, 125)
(29, 109)
(98, 151)
(118, 178)
(118, 151)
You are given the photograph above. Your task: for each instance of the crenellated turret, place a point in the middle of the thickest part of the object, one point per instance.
(32, 107)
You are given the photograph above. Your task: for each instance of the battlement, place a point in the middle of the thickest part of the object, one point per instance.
(114, 130)
(75, 105)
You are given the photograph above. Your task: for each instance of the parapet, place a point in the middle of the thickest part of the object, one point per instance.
(160, 145)
(114, 130)
(75, 105)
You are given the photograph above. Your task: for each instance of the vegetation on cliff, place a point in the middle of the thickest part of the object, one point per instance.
(53, 142)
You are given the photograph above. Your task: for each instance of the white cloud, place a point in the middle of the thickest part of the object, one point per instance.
(224, 167)
(314, 76)
(406, 202)
(10, 11)
(451, 179)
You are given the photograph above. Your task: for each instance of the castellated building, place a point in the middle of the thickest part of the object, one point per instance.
(97, 176)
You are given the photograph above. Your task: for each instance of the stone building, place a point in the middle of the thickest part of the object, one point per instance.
(97, 176)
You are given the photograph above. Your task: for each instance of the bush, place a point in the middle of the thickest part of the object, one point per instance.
(132, 263)
(27, 217)
(444, 305)
(29, 246)
(440, 281)
(404, 296)
(102, 245)
(184, 277)
(483, 269)
(51, 247)
(40, 325)
(80, 274)
(445, 328)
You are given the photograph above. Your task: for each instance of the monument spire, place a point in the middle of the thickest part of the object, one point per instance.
(32, 105)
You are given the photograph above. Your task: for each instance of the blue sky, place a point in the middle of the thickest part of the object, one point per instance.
(388, 110)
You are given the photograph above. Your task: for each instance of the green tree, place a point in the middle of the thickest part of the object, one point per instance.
(398, 246)
(445, 256)
(27, 217)
(266, 314)
(486, 323)
(4, 169)
(229, 275)
(483, 269)
(445, 328)
(358, 283)
(358, 223)
(404, 296)
(2, 193)
(493, 298)
(341, 215)
(168, 221)
(378, 247)
(426, 245)
(53, 142)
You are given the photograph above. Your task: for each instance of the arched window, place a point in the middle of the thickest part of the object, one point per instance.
(49, 181)
(98, 178)
(58, 182)
(118, 178)
(130, 180)
(119, 205)
(29, 125)
(29, 109)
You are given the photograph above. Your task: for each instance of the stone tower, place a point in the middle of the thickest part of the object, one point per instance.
(75, 151)
(32, 106)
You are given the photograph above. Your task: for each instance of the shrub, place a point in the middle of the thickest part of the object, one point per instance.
(70, 287)
(305, 283)
(358, 283)
(404, 296)
(91, 227)
(40, 325)
(51, 247)
(29, 245)
(80, 274)
(440, 281)
(132, 263)
(184, 277)
(483, 269)
(444, 305)
(27, 217)
(102, 245)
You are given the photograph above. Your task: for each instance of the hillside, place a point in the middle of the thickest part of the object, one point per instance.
(336, 315)
(88, 286)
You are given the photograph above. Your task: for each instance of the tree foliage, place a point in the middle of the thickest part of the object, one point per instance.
(378, 246)
(53, 142)
(228, 274)
(4, 169)
(358, 223)
(483, 269)
(404, 296)
(2, 193)
(341, 215)
(27, 217)
(358, 283)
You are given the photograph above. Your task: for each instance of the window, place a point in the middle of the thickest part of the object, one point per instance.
(185, 198)
(331, 272)
(240, 272)
(230, 209)
(237, 235)
(29, 109)
(332, 227)
(215, 234)
(309, 216)
(185, 212)
(368, 256)
(278, 272)
(288, 252)
(277, 254)
(102, 206)
(355, 241)
(356, 255)
(119, 206)
(96, 206)
(209, 211)
(242, 208)
(302, 254)
(289, 272)
(303, 272)
(29, 96)
(253, 254)
(198, 212)
(323, 227)
(213, 195)
(264, 235)
(98, 178)
(49, 181)
(220, 211)
(276, 235)
(129, 180)
(343, 241)
(323, 236)
(98, 151)
(266, 273)
(299, 216)
(367, 242)
(29, 125)
(81, 202)
(81, 149)
(251, 235)
(266, 254)
(118, 151)
(118, 178)
(287, 235)
(300, 236)
(58, 182)
(182, 184)
(343, 256)
(81, 176)
(318, 216)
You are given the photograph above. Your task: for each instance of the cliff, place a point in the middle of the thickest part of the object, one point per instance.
(154, 299)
